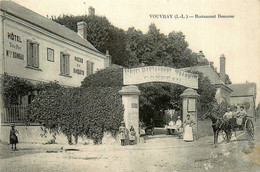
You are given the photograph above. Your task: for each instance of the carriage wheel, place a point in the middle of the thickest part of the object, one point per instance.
(226, 136)
(249, 128)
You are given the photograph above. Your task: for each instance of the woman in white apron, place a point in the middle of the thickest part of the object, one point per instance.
(188, 131)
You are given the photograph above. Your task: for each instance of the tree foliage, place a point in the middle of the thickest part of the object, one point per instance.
(101, 34)
(132, 47)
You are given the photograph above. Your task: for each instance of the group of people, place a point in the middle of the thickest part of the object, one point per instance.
(177, 128)
(124, 133)
(235, 116)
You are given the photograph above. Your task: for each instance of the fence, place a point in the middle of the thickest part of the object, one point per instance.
(14, 114)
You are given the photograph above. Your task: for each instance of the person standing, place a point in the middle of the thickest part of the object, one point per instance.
(142, 130)
(132, 135)
(13, 137)
(188, 130)
(123, 133)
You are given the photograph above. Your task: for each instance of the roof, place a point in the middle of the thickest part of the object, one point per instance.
(28, 15)
(245, 89)
(210, 73)
(207, 71)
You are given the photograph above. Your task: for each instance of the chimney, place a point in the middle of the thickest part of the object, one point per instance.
(91, 11)
(201, 57)
(82, 29)
(222, 68)
(108, 59)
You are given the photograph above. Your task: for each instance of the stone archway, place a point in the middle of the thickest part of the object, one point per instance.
(130, 93)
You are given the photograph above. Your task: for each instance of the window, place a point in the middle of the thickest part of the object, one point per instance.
(32, 54)
(90, 68)
(64, 63)
(50, 54)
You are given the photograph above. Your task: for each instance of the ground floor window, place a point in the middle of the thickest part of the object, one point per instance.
(64, 63)
(90, 68)
(32, 54)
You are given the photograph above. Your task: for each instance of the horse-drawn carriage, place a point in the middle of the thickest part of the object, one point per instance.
(247, 127)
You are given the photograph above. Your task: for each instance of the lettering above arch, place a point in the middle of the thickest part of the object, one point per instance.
(146, 74)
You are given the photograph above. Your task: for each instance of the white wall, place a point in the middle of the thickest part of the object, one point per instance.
(50, 71)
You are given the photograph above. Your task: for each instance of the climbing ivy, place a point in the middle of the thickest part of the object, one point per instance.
(14, 87)
(77, 111)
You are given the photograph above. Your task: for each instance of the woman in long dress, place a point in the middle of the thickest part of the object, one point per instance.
(188, 131)
(13, 137)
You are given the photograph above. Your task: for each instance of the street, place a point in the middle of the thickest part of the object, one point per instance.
(159, 153)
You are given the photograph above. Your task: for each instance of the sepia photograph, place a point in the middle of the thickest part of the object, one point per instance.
(129, 85)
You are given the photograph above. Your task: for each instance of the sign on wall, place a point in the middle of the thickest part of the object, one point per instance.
(14, 45)
(159, 74)
(191, 105)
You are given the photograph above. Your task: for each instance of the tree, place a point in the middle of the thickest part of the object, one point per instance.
(101, 34)
(155, 48)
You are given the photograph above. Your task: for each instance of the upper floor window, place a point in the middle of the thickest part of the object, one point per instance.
(64, 63)
(32, 54)
(90, 68)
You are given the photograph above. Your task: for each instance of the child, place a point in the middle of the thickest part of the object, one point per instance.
(13, 137)
(123, 133)
(132, 135)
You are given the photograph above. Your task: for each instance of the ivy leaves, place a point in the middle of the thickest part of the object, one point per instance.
(78, 111)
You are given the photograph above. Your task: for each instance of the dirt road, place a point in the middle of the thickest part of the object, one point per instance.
(160, 153)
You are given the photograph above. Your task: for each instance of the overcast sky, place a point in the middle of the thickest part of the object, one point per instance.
(238, 38)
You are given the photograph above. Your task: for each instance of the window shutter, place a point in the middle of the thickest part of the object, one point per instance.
(61, 64)
(64, 64)
(67, 64)
(88, 68)
(92, 68)
(29, 53)
(35, 55)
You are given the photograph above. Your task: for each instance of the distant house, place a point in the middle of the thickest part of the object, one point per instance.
(223, 90)
(234, 94)
(244, 94)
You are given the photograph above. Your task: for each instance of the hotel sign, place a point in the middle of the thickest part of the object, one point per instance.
(159, 74)
(14, 46)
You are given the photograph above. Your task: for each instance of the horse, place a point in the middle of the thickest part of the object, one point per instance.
(219, 124)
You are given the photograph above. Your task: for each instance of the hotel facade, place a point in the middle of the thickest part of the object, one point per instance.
(38, 49)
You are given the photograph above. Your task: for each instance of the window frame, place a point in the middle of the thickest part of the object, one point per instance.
(33, 54)
(91, 70)
(51, 59)
(64, 64)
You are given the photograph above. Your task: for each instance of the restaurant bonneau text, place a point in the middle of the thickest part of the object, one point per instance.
(159, 74)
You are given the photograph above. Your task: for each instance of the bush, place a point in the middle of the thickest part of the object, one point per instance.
(14, 87)
(78, 111)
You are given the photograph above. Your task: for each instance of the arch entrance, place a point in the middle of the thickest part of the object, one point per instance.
(130, 92)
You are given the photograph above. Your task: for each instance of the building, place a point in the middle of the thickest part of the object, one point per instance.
(244, 94)
(37, 49)
(223, 90)
(234, 94)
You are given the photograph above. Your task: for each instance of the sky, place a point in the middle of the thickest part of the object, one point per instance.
(237, 38)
